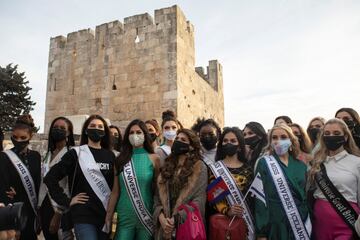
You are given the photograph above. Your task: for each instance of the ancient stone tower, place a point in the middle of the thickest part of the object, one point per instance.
(135, 69)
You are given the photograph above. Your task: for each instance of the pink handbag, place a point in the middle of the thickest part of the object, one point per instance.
(193, 228)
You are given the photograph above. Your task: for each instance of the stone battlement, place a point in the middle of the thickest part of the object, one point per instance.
(138, 24)
(105, 71)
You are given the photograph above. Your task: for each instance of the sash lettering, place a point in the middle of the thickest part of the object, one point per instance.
(25, 177)
(336, 199)
(219, 169)
(93, 175)
(300, 230)
(133, 190)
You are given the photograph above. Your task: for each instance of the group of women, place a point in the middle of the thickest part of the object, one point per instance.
(168, 182)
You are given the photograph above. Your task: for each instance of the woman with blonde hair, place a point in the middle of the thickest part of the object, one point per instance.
(304, 143)
(281, 211)
(336, 173)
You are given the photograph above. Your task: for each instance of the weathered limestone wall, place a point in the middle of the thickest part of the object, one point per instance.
(106, 72)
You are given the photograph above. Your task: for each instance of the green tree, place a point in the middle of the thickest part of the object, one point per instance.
(14, 96)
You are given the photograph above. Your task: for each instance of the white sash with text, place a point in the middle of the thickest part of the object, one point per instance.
(300, 230)
(236, 197)
(25, 177)
(137, 201)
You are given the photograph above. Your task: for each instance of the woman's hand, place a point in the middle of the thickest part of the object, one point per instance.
(9, 234)
(167, 224)
(55, 223)
(81, 198)
(11, 194)
(235, 210)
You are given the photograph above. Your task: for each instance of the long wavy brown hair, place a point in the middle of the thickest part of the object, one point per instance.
(171, 162)
(323, 152)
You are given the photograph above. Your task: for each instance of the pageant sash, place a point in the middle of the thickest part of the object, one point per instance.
(25, 177)
(235, 197)
(45, 168)
(133, 189)
(300, 230)
(336, 199)
(48, 163)
(93, 175)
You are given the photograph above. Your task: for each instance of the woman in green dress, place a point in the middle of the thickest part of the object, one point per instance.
(136, 166)
(270, 217)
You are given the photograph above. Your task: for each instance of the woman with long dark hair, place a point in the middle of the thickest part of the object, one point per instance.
(181, 184)
(255, 141)
(60, 140)
(231, 164)
(115, 139)
(89, 169)
(20, 174)
(132, 194)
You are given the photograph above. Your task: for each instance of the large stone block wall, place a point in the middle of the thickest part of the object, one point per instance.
(107, 72)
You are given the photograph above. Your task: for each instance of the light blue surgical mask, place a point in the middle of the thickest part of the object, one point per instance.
(170, 135)
(282, 146)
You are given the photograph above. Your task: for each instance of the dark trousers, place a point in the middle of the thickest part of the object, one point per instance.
(46, 214)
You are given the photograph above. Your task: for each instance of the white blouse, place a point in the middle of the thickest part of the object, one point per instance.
(343, 169)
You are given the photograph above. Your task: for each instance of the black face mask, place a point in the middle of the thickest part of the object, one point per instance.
(94, 134)
(115, 140)
(19, 146)
(334, 142)
(351, 124)
(229, 149)
(179, 148)
(153, 137)
(208, 141)
(252, 141)
(300, 139)
(58, 134)
(314, 132)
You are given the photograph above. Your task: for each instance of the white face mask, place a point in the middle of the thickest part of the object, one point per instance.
(170, 135)
(136, 140)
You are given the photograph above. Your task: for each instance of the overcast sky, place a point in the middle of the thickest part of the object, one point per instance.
(298, 57)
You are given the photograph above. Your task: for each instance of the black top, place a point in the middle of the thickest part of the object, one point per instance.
(9, 177)
(93, 211)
